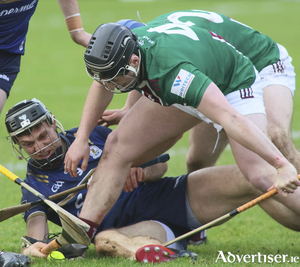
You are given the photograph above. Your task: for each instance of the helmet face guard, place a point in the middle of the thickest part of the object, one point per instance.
(20, 120)
(108, 54)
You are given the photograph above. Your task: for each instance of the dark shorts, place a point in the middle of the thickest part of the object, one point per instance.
(9, 69)
(163, 201)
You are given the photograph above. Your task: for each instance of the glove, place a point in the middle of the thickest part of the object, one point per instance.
(11, 259)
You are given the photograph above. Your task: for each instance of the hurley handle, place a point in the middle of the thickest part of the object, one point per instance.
(257, 200)
(53, 245)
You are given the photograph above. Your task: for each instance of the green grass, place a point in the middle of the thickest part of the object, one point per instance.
(53, 71)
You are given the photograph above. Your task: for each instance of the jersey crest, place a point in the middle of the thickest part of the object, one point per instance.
(95, 152)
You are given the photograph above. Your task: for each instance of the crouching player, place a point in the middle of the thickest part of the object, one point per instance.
(150, 210)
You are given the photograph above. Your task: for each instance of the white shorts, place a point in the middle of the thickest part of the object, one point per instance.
(170, 236)
(281, 73)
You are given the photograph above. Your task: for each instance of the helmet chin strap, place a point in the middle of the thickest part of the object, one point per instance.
(130, 86)
(135, 71)
(128, 67)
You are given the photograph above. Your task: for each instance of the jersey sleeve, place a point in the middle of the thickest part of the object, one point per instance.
(28, 197)
(185, 85)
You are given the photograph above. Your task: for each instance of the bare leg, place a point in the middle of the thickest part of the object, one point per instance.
(202, 140)
(213, 192)
(130, 140)
(280, 120)
(125, 241)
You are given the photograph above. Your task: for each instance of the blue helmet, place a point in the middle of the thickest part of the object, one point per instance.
(130, 23)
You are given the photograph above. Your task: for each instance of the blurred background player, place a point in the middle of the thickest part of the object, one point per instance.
(14, 22)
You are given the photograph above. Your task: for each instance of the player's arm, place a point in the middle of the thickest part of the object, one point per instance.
(96, 102)
(155, 172)
(37, 227)
(149, 174)
(215, 106)
(72, 17)
(113, 116)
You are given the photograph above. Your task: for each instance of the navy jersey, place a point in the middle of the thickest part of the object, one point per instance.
(49, 182)
(14, 21)
(164, 200)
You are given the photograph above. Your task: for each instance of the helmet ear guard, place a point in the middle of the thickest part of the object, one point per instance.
(109, 51)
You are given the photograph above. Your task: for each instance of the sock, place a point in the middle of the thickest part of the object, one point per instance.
(93, 227)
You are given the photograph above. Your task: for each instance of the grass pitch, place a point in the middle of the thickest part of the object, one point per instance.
(53, 71)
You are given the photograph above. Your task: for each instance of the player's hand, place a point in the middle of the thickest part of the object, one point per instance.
(35, 250)
(111, 117)
(136, 175)
(81, 37)
(287, 180)
(79, 150)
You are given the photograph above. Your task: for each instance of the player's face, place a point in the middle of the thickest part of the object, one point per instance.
(123, 81)
(127, 77)
(41, 142)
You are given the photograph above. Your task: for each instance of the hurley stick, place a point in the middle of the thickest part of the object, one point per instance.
(9, 212)
(159, 253)
(74, 229)
(226, 216)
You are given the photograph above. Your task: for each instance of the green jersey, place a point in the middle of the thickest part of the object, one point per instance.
(259, 48)
(181, 60)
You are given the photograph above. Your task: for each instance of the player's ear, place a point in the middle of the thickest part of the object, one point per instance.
(134, 61)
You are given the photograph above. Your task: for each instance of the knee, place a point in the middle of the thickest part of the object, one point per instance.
(279, 136)
(111, 141)
(196, 162)
(116, 147)
(106, 244)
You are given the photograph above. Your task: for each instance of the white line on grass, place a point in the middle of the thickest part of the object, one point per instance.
(14, 167)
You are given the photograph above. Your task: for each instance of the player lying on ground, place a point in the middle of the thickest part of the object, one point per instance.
(152, 211)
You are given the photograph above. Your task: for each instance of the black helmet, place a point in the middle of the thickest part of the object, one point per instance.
(109, 51)
(26, 114)
(20, 119)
